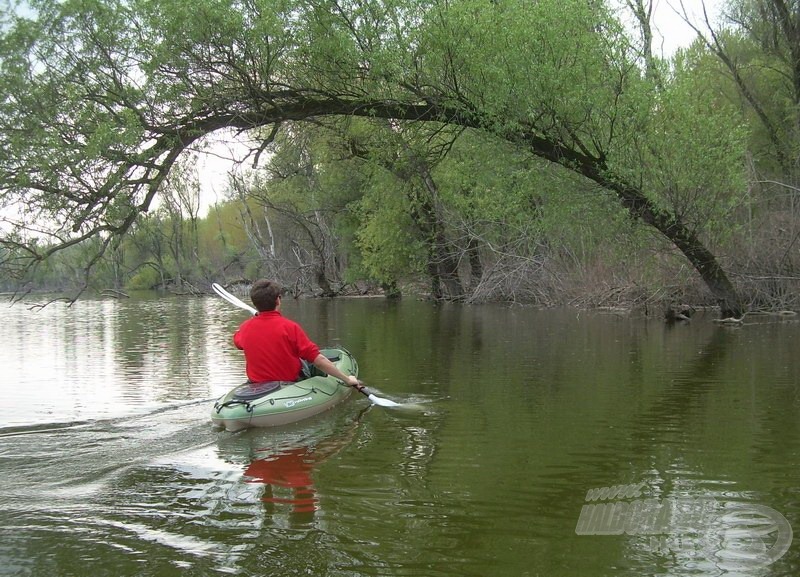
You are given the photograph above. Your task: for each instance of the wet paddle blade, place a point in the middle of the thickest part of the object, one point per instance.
(381, 402)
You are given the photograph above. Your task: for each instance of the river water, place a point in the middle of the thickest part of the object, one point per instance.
(110, 465)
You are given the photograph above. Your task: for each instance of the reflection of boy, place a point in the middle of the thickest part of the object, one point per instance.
(274, 345)
(290, 469)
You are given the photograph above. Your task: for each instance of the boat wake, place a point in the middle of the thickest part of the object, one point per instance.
(55, 427)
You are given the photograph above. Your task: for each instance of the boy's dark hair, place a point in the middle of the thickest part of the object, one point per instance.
(264, 294)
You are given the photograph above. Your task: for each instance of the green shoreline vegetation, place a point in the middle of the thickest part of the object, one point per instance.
(469, 151)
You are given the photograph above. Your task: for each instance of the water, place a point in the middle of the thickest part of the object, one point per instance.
(110, 465)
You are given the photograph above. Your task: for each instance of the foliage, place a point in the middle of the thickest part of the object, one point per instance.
(390, 249)
(691, 159)
(477, 134)
(761, 51)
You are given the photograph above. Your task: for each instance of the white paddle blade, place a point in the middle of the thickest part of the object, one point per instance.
(232, 299)
(382, 402)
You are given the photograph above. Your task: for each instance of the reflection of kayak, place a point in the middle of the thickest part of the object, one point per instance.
(271, 404)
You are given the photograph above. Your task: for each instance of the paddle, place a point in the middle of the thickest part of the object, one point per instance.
(381, 402)
(376, 400)
(232, 299)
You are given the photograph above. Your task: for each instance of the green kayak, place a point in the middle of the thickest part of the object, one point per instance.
(279, 403)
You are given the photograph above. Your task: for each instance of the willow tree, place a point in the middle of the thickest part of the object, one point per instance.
(759, 48)
(102, 97)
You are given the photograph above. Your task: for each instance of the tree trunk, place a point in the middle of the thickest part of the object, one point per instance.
(442, 265)
(323, 282)
(475, 264)
(300, 106)
(641, 207)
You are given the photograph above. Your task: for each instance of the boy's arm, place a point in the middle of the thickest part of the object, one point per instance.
(327, 367)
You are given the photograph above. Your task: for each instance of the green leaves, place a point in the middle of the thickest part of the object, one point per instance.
(691, 155)
(105, 96)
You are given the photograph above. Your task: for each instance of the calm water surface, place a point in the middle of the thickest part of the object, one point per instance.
(110, 465)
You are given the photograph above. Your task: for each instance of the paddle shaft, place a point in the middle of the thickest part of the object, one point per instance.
(376, 400)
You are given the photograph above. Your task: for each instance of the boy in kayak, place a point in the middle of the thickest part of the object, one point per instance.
(274, 345)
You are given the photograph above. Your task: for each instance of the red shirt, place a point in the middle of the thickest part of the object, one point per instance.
(273, 346)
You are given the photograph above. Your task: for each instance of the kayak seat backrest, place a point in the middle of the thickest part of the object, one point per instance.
(251, 391)
(307, 370)
(331, 354)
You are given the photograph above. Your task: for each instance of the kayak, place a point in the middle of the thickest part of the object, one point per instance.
(280, 403)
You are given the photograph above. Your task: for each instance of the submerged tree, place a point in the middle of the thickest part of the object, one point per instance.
(102, 97)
